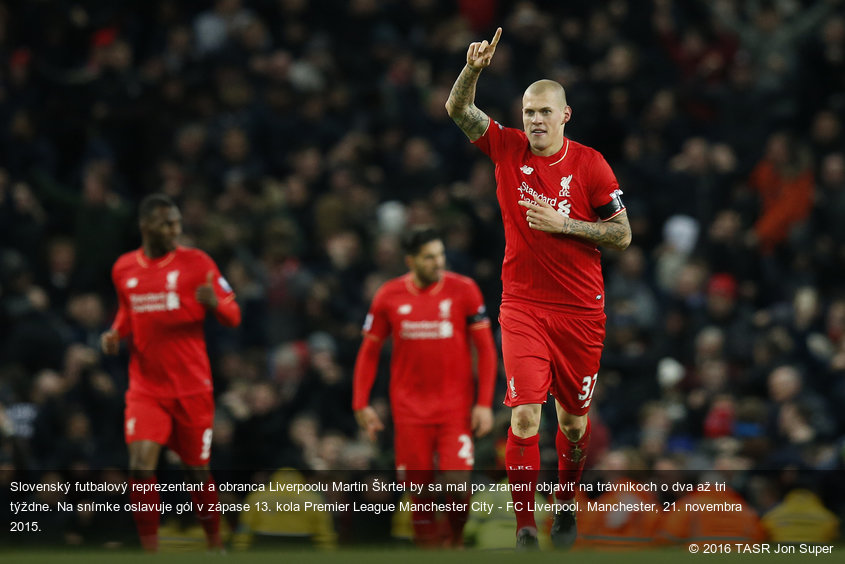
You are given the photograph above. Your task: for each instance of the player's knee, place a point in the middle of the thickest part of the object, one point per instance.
(141, 466)
(456, 480)
(143, 457)
(574, 430)
(137, 473)
(525, 422)
(198, 474)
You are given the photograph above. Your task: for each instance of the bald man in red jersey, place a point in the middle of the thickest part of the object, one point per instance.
(559, 201)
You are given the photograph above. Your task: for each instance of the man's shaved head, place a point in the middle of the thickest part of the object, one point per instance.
(544, 115)
(545, 85)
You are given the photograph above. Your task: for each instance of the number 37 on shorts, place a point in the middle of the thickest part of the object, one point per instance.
(588, 386)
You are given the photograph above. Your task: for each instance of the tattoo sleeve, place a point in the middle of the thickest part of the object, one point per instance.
(614, 233)
(461, 105)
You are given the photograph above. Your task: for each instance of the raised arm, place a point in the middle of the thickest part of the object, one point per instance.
(461, 103)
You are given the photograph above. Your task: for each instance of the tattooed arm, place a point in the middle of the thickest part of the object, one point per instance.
(614, 233)
(461, 103)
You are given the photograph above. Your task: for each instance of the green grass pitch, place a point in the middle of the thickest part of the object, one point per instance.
(400, 556)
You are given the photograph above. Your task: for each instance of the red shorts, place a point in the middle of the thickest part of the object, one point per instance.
(182, 424)
(546, 351)
(420, 449)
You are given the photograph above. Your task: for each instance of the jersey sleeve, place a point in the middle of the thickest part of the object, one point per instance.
(482, 339)
(364, 373)
(377, 323)
(376, 329)
(488, 359)
(228, 313)
(605, 195)
(122, 322)
(498, 140)
(476, 312)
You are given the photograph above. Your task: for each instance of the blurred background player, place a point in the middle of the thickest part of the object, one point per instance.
(559, 200)
(164, 292)
(432, 317)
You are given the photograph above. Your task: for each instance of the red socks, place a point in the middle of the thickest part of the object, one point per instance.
(570, 462)
(205, 506)
(424, 523)
(146, 521)
(522, 458)
(457, 520)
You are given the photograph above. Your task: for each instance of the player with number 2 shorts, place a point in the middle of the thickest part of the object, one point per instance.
(432, 317)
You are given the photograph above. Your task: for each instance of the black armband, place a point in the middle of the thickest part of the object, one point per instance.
(611, 209)
(480, 315)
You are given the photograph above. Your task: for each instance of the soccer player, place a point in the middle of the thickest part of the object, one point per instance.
(164, 292)
(432, 316)
(559, 200)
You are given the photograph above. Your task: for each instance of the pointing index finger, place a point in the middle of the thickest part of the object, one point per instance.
(541, 202)
(496, 37)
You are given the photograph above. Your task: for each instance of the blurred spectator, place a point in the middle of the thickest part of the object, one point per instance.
(630, 292)
(798, 415)
(784, 181)
(768, 32)
(215, 26)
(724, 310)
(801, 517)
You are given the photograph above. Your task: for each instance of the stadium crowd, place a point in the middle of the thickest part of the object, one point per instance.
(301, 137)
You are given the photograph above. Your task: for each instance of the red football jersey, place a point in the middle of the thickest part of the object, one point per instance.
(161, 317)
(555, 271)
(431, 379)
